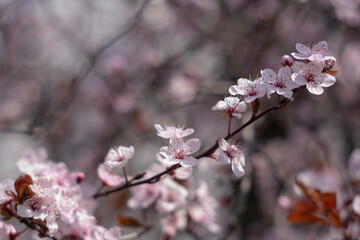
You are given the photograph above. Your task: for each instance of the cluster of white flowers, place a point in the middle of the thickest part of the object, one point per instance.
(313, 73)
(53, 198)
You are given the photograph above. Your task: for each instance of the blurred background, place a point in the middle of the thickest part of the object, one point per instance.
(77, 77)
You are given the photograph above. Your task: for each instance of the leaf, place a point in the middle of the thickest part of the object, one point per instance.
(305, 217)
(332, 72)
(334, 219)
(22, 187)
(129, 221)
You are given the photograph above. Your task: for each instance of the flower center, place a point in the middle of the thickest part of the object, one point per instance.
(231, 151)
(310, 77)
(252, 92)
(280, 84)
(180, 155)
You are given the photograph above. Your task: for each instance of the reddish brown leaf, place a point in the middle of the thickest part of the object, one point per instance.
(334, 219)
(305, 217)
(303, 205)
(329, 199)
(22, 187)
(128, 221)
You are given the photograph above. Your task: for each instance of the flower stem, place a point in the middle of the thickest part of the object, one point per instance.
(125, 175)
(229, 126)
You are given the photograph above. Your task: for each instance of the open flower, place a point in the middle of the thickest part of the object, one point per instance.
(173, 196)
(251, 89)
(180, 151)
(311, 75)
(280, 83)
(7, 231)
(119, 157)
(231, 106)
(315, 53)
(203, 208)
(230, 153)
(172, 131)
(179, 173)
(108, 177)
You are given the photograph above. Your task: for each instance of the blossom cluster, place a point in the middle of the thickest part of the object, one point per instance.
(50, 197)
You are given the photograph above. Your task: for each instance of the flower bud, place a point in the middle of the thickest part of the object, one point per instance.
(80, 177)
(286, 60)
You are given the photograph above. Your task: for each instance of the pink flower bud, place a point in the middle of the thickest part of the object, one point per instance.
(286, 60)
(80, 177)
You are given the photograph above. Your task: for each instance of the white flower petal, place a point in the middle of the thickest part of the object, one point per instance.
(268, 75)
(189, 162)
(220, 105)
(222, 158)
(237, 168)
(314, 88)
(193, 146)
(329, 80)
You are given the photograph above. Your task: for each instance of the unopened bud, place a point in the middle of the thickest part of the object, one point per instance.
(286, 60)
(329, 64)
(80, 177)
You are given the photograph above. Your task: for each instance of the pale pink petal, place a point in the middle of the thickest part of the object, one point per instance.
(223, 144)
(235, 89)
(108, 177)
(189, 162)
(237, 168)
(320, 48)
(241, 107)
(271, 90)
(220, 105)
(176, 143)
(314, 88)
(232, 101)
(301, 48)
(223, 158)
(356, 204)
(193, 146)
(298, 67)
(284, 72)
(299, 79)
(268, 75)
(329, 80)
(183, 173)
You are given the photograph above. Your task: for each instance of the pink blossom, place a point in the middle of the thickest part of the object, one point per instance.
(37, 164)
(179, 151)
(354, 164)
(356, 204)
(179, 173)
(108, 177)
(280, 83)
(173, 222)
(119, 157)
(172, 131)
(251, 89)
(7, 231)
(203, 208)
(101, 233)
(44, 204)
(173, 196)
(231, 106)
(311, 75)
(230, 153)
(6, 187)
(316, 52)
